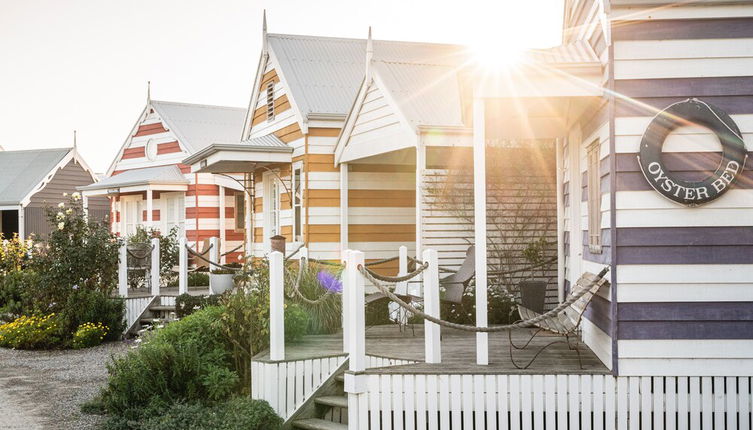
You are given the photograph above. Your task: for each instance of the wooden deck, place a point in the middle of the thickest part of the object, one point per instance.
(167, 291)
(458, 352)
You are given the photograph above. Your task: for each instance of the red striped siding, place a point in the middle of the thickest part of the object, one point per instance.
(203, 212)
(167, 148)
(155, 215)
(147, 129)
(203, 190)
(133, 153)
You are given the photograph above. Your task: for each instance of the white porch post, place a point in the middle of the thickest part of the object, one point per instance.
(479, 203)
(432, 339)
(356, 313)
(248, 215)
(85, 203)
(343, 207)
(276, 304)
(21, 224)
(420, 168)
(560, 223)
(150, 209)
(214, 251)
(123, 270)
(347, 288)
(182, 266)
(155, 269)
(222, 224)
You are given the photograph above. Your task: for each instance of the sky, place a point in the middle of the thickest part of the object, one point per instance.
(84, 64)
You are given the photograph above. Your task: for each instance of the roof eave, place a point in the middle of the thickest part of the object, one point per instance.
(214, 148)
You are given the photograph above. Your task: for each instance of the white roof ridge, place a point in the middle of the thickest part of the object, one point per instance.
(356, 39)
(197, 105)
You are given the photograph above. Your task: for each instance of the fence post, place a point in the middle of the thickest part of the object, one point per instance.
(344, 305)
(155, 269)
(433, 346)
(214, 252)
(303, 253)
(123, 270)
(401, 288)
(182, 266)
(356, 316)
(276, 307)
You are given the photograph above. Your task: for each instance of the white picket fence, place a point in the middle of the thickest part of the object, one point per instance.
(135, 306)
(286, 385)
(408, 401)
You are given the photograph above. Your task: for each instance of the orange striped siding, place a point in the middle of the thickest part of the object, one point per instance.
(234, 257)
(382, 198)
(323, 198)
(324, 132)
(147, 129)
(203, 212)
(270, 76)
(285, 230)
(322, 163)
(191, 235)
(381, 168)
(258, 204)
(133, 153)
(203, 190)
(289, 133)
(363, 232)
(155, 215)
(167, 148)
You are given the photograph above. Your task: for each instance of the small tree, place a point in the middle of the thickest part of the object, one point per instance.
(79, 253)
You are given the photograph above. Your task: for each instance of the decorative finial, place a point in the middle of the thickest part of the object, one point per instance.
(369, 53)
(74, 140)
(264, 32)
(148, 91)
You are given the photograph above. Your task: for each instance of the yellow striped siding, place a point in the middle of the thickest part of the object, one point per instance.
(382, 198)
(322, 163)
(281, 105)
(363, 233)
(381, 168)
(286, 230)
(289, 133)
(270, 76)
(324, 132)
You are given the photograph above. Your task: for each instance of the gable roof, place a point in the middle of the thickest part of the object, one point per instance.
(22, 171)
(197, 126)
(324, 74)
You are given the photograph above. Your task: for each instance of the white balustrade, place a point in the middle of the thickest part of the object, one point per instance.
(276, 307)
(155, 269)
(182, 266)
(433, 346)
(123, 270)
(344, 304)
(356, 315)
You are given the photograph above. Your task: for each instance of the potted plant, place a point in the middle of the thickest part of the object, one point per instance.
(221, 280)
(533, 291)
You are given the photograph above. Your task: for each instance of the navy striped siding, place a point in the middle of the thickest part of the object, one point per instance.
(685, 245)
(605, 256)
(604, 182)
(661, 29)
(686, 165)
(685, 320)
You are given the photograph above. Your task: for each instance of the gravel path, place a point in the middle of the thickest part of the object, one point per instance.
(43, 389)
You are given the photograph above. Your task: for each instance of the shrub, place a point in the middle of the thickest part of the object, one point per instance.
(88, 306)
(186, 304)
(296, 322)
(168, 249)
(324, 316)
(237, 413)
(13, 286)
(195, 279)
(78, 252)
(14, 253)
(187, 360)
(30, 332)
(88, 335)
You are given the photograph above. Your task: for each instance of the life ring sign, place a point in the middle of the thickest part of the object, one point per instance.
(692, 193)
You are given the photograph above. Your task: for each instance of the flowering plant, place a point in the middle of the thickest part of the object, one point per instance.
(14, 253)
(89, 334)
(30, 332)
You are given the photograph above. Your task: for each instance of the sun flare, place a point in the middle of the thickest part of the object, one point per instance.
(494, 55)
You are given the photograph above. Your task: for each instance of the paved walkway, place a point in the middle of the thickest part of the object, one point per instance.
(44, 389)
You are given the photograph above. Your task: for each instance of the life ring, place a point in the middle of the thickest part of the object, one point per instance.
(698, 112)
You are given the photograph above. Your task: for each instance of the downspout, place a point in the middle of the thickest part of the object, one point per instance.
(305, 227)
(612, 198)
(196, 210)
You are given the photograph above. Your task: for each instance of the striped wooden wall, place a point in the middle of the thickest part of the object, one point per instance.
(685, 275)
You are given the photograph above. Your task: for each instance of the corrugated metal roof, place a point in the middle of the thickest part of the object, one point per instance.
(21, 171)
(266, 141)
(577, 52)
(197, 126)
(425, 94)
(324, 73)
(150, 175)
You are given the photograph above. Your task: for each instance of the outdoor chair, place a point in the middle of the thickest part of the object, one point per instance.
(455, 284)
(565, 322)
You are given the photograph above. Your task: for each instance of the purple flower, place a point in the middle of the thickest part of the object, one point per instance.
(329, 282)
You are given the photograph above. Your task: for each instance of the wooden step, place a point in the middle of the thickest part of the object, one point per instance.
(149, 321)
(158, 308)
(334, 401)
(318, 424)
(340, 378)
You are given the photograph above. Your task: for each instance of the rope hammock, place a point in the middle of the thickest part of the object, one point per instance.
(521, 324)
(140, 257)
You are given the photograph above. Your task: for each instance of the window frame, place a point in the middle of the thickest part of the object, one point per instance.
(271, 205)
(297, 190)
(593, 170)
(270, 101)
(239, 211)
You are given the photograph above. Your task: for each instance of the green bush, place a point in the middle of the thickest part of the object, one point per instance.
(326, 315)
(187, 360)
(88, 306)
(195, 279)
(79, 252)
(186, 304)
(30, 333)
(13, 285)
(296, 322)
(88, 335)
(237, 413)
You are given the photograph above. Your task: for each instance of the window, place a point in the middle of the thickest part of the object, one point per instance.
(594, 198)
(297, 204)
(175, 213)
(271, 203)
(240, 211)
(270, 101)
(132, 214)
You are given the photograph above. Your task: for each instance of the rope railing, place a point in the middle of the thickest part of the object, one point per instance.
(225, 254)
(369, 264)
(521, 324)
(395, 279)
(211, 263)
(297, 286)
